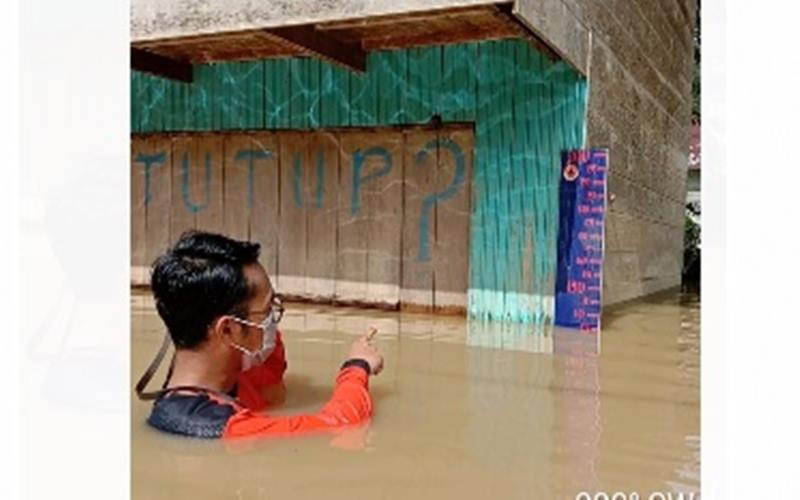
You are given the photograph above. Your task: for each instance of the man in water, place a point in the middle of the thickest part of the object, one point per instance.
(222, 313)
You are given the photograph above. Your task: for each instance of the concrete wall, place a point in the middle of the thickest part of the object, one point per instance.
(155, 19)
(638, 57)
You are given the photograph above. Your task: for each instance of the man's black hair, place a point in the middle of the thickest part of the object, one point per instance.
(198, 280)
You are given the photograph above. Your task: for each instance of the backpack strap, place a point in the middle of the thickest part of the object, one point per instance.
(151, 370)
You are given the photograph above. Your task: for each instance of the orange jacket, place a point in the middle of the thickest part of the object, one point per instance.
(238, 415)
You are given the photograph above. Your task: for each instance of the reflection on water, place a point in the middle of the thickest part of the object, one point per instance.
(462, 411)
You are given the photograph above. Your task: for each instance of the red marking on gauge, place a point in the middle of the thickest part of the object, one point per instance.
(571, 172)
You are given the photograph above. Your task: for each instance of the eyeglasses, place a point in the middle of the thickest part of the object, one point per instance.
(274, 311)
(276, 308)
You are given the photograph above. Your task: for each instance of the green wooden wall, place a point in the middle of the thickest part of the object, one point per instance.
(526, 110)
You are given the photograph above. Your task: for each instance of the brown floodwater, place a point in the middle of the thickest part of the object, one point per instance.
(462, 411)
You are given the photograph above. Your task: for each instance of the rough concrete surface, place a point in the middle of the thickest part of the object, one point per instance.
(638, 57)
(156, 19)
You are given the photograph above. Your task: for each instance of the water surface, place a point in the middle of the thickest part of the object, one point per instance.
(461, 411)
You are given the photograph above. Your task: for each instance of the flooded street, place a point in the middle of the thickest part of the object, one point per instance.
(461, 411)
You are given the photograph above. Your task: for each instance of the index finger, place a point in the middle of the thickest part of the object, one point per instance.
(371, 333)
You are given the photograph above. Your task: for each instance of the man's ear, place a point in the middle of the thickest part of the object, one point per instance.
(223, 327)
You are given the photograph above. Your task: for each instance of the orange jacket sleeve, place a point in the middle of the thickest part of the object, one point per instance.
(350, 404)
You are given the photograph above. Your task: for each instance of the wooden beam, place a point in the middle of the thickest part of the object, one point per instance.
(311, 40)
(142, 60)
(391, 19)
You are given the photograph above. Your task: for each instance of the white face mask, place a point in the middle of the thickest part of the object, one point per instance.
(253, 358)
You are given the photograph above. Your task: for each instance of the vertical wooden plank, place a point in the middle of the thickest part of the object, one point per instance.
(353, 226)
(430, 81)
(207, 185)
(341, 82)
(458, 83)
(144, 102)
(398, 73)
(538, 203)
(269, 93)
(141, 161)
(292, 233)
(225, 94)
(493, 225)
(452, 66)
(255, 71)
(327, 109)
(186, 107)
(504, 65)
(282, 87)
(382, 200)
(211, 100)
(150, 116)
(168, 105)
(548, 158)
(185, 203)
(370, 102)
(277, 96)
(298, 97)
(358, 99)
(525, 79)
(239, 95)
(181, 105)
(235, 201)
(312, 82)
(174, 116)
(413, 92)
(418, 223)
(136, 103)
(157, 103)
(217, 96)
(513, 183)
(202, 94)
(321, 201)
(157, 218)
(451, 250)
(364, 95)
(334, 96)
(386, 87)
(546, 204)
(190, 100)
(263, 189)
(470, 84)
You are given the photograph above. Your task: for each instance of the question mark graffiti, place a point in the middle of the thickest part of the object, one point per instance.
(431, 201)
(190, 205)
(359, 158)
(149, 162)
(251, 155)
(297, 177)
